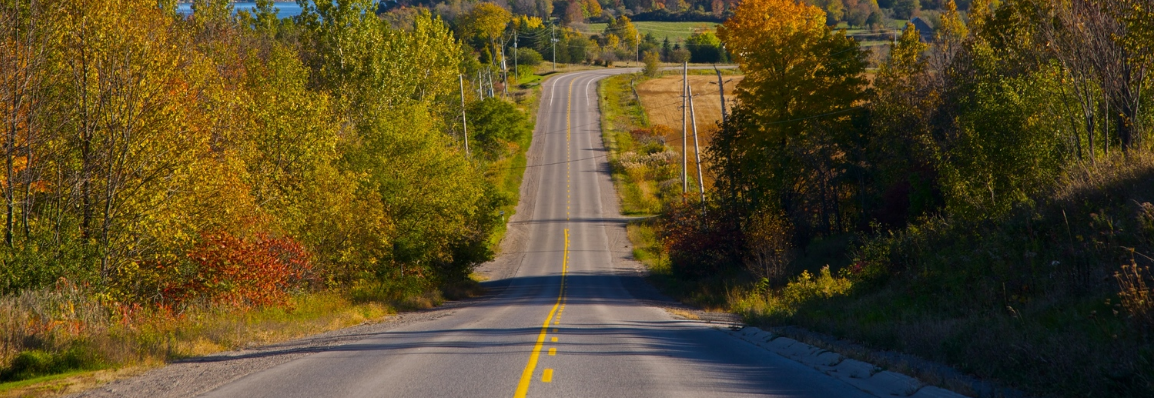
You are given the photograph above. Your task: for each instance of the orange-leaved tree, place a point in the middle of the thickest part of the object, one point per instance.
(799, 95)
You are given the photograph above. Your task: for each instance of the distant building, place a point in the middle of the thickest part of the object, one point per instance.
(924, 29)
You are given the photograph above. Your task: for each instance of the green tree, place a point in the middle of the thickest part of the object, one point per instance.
(651, 64)
(906, 8)
(704, 47)
(493, 123)
(528, 57)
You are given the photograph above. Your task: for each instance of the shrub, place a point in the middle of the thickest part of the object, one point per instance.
(229, 270)
(493, 122)
(701, 241)
(768, 236)
(35, 363)
(529, 57)
(651, 64)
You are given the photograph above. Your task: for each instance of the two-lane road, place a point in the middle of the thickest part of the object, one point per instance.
(563, 324)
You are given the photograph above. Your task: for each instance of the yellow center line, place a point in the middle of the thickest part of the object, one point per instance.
(551, 351)
(529, 370)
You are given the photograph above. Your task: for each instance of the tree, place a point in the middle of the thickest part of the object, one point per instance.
(834, 11)
(625, 30)
(903, 155)
(795, 67)
(651, 64)
(544, 8)
(488, 21)
(801, 85)
(528, 57)
(768, 237)
(1106, 50)
(579, 49)
(906, 9)
(704, 47)
(493, 123)
(591, 8)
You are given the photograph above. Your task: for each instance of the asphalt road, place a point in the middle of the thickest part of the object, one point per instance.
(566, 322)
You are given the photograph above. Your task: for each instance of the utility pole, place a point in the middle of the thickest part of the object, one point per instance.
(463, 108)
(720, 82)
(637, 49)
(684, 132)
(696, 145)
(553, 40)
(516, 57)
(503, 64)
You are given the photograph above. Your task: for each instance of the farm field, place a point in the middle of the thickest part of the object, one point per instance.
(660, 99)
(676, 32)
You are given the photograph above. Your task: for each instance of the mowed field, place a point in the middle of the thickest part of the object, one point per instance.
(676, 32)
(661, 101)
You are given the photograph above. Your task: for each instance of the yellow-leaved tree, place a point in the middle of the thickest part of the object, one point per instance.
(795, 110)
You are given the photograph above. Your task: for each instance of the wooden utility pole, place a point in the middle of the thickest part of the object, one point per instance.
(553, 40)
(696, 144)
(720, 82)
(503, 65)
(516, 57)
(463, 109)
(684, 132)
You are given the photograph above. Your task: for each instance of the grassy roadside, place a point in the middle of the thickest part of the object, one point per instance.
(642, 165)
(645, 173)
(88, 348)
(507, 172)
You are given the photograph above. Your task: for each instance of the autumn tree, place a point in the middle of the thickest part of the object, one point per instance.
(625, 31)
(488, 21)
(801, 86)
(651, 64)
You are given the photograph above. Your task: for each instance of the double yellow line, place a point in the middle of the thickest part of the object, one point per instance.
(560, 301)
(529, 370)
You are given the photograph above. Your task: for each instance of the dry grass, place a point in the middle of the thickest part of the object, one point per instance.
(683, 314)
(65, 341)
(71, 383)
(660, 98)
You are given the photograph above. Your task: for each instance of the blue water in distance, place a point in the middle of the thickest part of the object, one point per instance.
(285, 9)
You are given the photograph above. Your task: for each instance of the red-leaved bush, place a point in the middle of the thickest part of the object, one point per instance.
(701, 241)
(239, 272)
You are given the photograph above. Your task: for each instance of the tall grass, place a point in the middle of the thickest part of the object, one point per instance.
(643, 165)
(63, 329)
